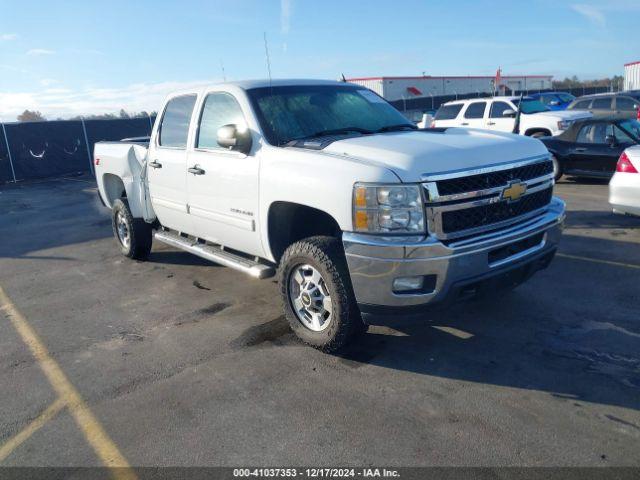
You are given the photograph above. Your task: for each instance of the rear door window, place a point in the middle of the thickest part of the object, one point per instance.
(174, 128)
(475, 110)
(582, 105)
(602, 103)
(448, 112)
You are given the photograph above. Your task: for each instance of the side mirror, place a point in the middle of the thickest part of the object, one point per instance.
(234, 137)
(611, 140)
(509, 113)
(554, 103)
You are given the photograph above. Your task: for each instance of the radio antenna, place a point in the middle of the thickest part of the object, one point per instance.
(224, 76)
(266, 52)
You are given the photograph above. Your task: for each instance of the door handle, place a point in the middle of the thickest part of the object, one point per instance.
(155, 164)
(464, 123)
(580, 150)
(491, 123)
(196, 170)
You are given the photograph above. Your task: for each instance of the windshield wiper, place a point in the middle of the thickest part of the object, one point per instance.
(396, 128)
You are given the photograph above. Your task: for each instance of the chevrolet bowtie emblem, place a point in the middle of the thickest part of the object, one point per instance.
(514, 191)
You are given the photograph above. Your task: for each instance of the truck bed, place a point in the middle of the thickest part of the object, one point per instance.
(119, 167)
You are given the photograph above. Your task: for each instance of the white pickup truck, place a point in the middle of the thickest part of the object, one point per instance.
(499, 113)
(358, 212)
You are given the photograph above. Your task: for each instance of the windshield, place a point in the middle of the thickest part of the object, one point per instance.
(565, 97)
(304, 111)
(631, 127)
(530, 105)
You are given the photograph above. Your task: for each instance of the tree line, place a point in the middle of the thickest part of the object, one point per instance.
(616, 82)
(36, 116)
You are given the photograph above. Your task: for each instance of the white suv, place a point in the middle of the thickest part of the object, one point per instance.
(499, 114)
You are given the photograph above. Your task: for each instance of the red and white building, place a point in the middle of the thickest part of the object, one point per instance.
(404, 88)
(632, 76)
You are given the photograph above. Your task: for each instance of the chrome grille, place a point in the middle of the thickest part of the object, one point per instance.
(462, 204)
(494, 179)
(457, 220)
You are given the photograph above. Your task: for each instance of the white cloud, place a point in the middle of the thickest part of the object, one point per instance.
(65, 103)
(286, 7)
(47, 82)
(8, 36)
(591, 13)
(39, 52)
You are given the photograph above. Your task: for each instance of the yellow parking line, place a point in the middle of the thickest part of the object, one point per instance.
(97, 437)
(456, 332)
(37, 424)
(595, 260)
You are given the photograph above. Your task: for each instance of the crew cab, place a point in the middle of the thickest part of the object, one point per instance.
(499, 113)
(325, 184)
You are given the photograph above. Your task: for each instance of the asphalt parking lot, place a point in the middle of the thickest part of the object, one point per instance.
(176, 361)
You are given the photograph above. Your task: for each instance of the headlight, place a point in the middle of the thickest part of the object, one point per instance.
(388, 208)
(564, 124)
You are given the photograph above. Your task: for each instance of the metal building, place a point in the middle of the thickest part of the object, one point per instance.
(404, 88)
(632, 76)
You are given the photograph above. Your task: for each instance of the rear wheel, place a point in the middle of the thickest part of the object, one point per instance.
(134, 235)
(316, 291)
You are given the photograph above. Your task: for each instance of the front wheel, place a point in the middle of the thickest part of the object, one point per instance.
(134, 235)
(316, 291)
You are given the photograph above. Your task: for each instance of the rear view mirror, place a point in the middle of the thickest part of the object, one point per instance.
(611, 140)
(509, 113)
(235, 137)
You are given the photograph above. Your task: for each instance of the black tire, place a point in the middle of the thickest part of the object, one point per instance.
(325, 254)
(539, 134)
(139, 232)
(557, 168)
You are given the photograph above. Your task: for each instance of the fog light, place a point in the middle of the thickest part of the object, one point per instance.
(408, 284)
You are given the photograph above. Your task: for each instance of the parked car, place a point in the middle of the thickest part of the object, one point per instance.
(591, 148)
(358, 211)
(554, 100)
(499, 114)
(624, 188)
(623, 104)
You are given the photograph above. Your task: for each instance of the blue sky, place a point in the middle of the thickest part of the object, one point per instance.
(74, 57)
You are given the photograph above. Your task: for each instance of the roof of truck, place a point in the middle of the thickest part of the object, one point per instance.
(261, 83)
(246, 84)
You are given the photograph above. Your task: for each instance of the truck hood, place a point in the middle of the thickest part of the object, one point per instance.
(414, 155)
(558, 115)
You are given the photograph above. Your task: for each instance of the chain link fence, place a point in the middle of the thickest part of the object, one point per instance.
(31, 150)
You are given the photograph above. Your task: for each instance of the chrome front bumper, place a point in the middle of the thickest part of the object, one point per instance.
(374, 262)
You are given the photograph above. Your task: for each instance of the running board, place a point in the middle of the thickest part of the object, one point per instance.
(215, 254)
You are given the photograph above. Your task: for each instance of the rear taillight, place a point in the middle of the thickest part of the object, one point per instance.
(624, 165)
(433, 125)
(638, 114)
(96, 161)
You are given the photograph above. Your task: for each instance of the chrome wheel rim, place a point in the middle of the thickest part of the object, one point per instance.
(309, 297)
(123, 230)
